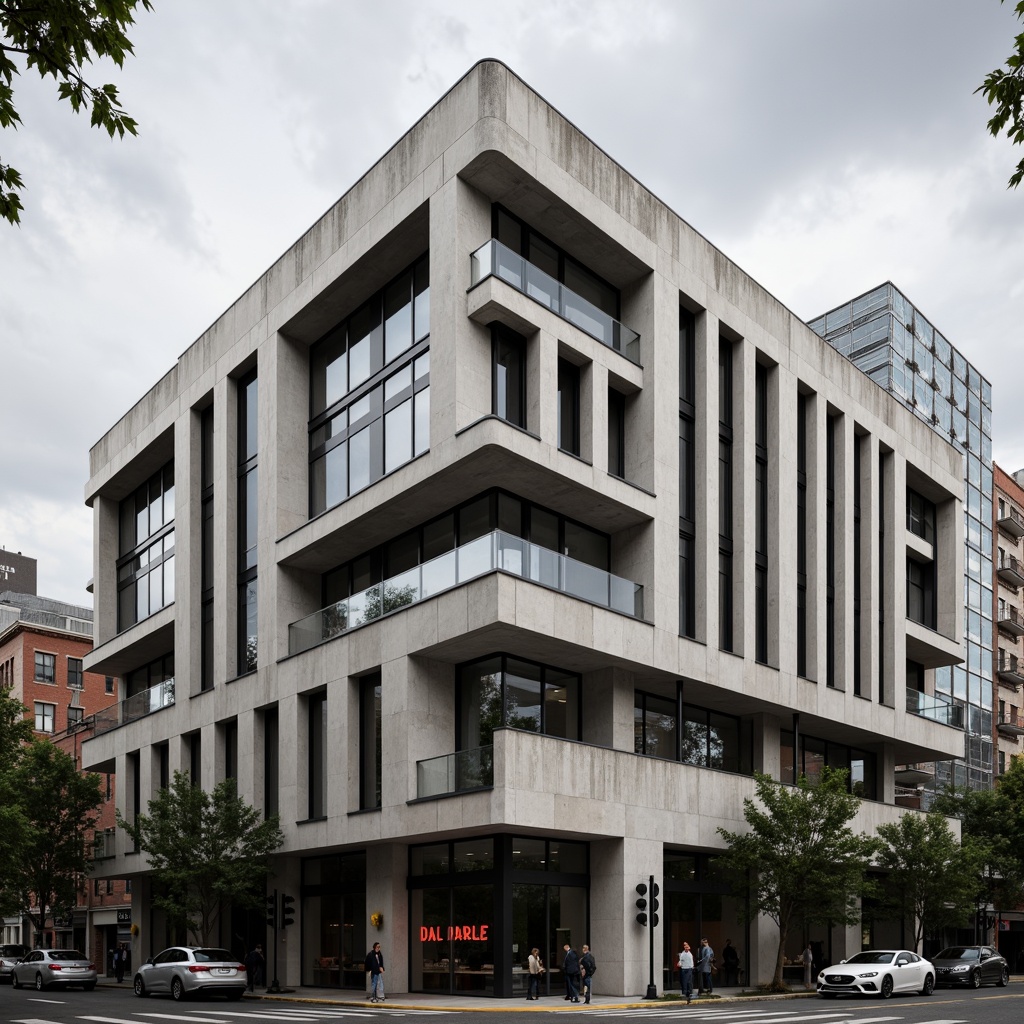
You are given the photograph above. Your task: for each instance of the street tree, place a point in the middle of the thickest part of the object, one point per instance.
(800, 861)
(58, 804)
(1004, 90)
(15, 732)
(931, 881)
(58, 39)
(207, 852)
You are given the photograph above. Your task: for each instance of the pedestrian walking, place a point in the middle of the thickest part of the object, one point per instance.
(375, 965)
(255, 965)
(571, 970)
(705, 964)
(686, 972)
(536, 968)
(588, 968)
(731, 960)
(120, 962)
(808, 959)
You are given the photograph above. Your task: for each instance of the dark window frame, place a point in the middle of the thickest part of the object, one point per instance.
(687, 475)
(506, 341)
(45, 671)
(568, 404)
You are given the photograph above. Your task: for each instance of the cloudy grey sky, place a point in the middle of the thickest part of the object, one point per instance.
(825, 145)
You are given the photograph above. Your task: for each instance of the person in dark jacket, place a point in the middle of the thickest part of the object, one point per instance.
(120, 962)
(254, 964)
(571, 970)
(588, 965)
(375, 965)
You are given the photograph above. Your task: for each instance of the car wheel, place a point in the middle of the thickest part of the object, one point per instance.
(886, 986)
(39, 983)
(975, 981)
(929, 985)
(14, 981)
(139, 986)
(1004, 978)
(177, 990)
(236, 994)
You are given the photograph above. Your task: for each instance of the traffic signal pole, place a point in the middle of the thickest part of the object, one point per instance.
(649, 921)
(275, 985)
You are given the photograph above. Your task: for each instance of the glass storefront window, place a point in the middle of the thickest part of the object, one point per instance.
(474, 855)
(333, 921)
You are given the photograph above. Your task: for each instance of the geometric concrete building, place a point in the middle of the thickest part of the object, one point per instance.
(494, 538)
(888, 338)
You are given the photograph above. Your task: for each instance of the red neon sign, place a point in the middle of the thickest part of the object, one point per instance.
(460, 932)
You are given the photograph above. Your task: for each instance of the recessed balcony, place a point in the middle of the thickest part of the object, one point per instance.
(935, 706)
(1011, 522)
(912, 774)
(460, 772)
(1010, 723)
(156, 698)
(1010, 669)
(493, 552)
(497, 260)
(1010, 623)
(1011, 571)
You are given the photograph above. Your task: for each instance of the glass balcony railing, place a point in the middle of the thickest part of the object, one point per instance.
(493, 552)
(137, 706)
(460, 772)
(495, 259)
(936, 706)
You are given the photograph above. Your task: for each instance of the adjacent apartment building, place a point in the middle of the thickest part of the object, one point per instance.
(1008, 529)
(892, 341)
(43, 646)
(494, 538)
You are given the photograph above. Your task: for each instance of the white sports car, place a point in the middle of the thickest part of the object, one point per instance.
(878, 972)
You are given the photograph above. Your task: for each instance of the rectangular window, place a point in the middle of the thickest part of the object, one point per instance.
(270, 762)
(921, 592)
(830, 551)
(133, 764)
(508, 375)
(370, 391)
(370, 741)
(568, 407)
(248, 523)
(687, 476)
(46, 666)
(44, 716)
(108, 684)
(920, 516)
(75, 677)
(145, 567)
(207, 545)
(761, 514)
(163, 765)
(75, 717)
(616, 433)
(316, 723)
(231, 749)
(195, 758)
(725, 515)
(858, 578)
(801, 535)
(95, 887)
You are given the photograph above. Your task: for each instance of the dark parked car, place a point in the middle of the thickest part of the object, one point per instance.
(970, 965)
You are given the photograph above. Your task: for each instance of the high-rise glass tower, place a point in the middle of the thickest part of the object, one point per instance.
(888, 338)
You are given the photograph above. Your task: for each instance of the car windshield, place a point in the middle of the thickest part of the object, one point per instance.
(959, 953)
(13, 950)
(873, 957)
(65, 954)
(209, 956)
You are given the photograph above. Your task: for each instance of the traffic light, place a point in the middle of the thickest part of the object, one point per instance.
(272, 910)
(654, 904)
(287, 910)
(641, 903)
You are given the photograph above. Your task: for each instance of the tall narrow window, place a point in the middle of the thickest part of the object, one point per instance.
(162, 752)
(270, 762)
(830, 551)
(206, 555)
(761, 514)
(881, 577)
(231, 749)
(801, 535)
(725, 639)
(687, 476)
(195, 758)
(75, 677)
(616, 433)
(508, 375)
(369, 741)
(857, 568)
(568, 407)
(133, 763)
(248, 522)
(317, 740)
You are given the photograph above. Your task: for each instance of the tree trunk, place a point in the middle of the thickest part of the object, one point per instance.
(778, 984)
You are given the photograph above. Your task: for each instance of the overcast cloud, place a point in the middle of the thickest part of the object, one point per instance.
(824, 145)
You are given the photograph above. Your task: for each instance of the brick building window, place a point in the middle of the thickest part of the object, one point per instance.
(46, 665)
(44, 716)
(75, 677)
(75, 716)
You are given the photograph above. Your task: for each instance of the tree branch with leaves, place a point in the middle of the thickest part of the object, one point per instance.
(58, 39)
(1004, 90)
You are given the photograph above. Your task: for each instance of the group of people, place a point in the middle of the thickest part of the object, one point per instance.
(578, 970)
(702, 964)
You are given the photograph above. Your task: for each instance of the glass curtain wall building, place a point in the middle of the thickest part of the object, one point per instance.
(888, 338)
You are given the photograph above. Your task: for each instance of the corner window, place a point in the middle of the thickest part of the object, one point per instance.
(45, 667)
(44, 716)
(508, 375)
(145, 568)
(370, 391)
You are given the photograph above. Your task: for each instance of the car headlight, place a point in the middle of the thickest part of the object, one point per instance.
(869, 974)
(960, 968)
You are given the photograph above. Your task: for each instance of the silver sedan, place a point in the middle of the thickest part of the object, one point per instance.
(10, 954)
(191, 970)
(46, 968)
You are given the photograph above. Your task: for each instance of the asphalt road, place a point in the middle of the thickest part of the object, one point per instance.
(119, 1006)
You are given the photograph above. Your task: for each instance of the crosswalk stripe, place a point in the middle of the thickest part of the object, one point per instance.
(179, 1017)
(123, 1020)
(33, 1020)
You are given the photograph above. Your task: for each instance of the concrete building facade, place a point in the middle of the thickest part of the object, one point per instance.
(494, 538)
(1008, 613)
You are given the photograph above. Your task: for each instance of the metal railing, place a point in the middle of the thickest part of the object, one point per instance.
(493, 258)
(935, 706)
(460, 772)
(1010, 621)
(1012, 522)
(493, 552)
(1010, 565)
(137, 706)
